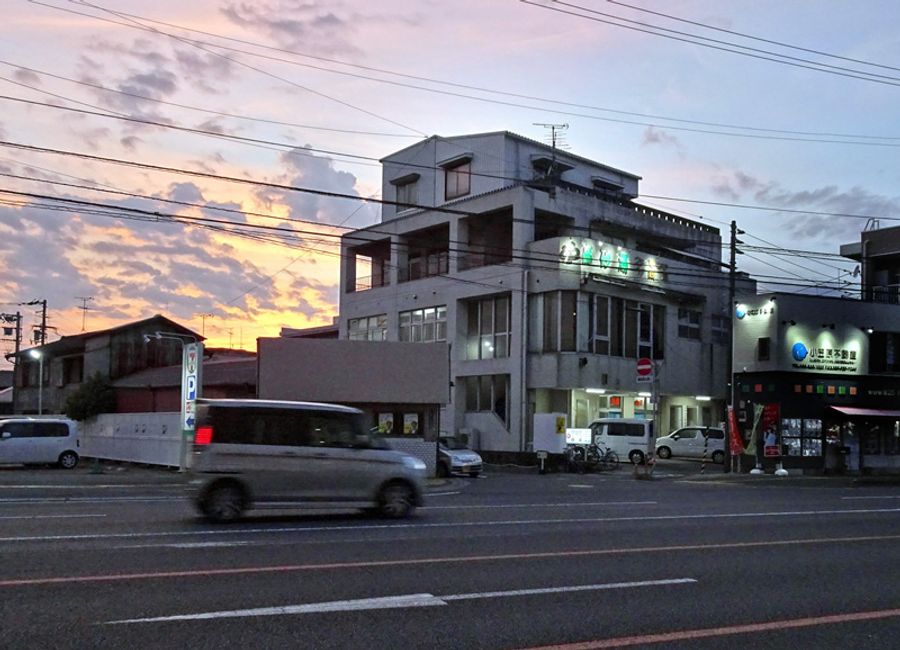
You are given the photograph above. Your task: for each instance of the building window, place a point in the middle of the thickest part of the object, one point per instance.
(458, 180)
(628, 329)
(488, 328)
(801, 437)
(407, 193)
(73, 370)
(599, 322)
(721, 329)
(371, 328)
(487, 393)
(424, 325)
(763, 348)
(560, 321)
(884, 352)
(689, 323)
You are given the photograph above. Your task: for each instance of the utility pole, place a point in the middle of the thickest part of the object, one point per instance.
(203, 318)
(732, 292)
(7, 320)
(84, 308)
(43, 328)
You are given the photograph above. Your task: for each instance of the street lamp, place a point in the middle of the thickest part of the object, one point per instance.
(37, 354)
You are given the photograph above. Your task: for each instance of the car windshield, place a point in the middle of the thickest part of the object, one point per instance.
(453, 443)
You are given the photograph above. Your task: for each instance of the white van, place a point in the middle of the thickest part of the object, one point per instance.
(629, 438)
(39, 441)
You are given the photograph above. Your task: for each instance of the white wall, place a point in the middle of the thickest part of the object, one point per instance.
(151, 438)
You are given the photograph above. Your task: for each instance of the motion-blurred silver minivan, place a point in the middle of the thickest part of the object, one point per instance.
(278, 454)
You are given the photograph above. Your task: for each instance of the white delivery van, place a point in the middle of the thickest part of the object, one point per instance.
(629, 438)
(39, 441)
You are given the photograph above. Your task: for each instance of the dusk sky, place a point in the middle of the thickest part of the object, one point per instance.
(800, 117)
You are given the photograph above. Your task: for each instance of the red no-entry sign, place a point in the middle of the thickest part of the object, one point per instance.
(645, 369)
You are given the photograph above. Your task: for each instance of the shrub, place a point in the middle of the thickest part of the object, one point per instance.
(93, 397)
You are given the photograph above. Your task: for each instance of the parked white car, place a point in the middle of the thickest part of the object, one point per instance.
(39, 441)
(689, 442)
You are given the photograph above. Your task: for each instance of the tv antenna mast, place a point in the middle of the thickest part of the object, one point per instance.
(84, 308)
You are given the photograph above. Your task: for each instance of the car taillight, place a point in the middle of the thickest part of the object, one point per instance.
(203, 435)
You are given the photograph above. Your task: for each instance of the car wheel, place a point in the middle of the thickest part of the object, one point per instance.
(396, 500)
(442, 470)
(718, 457)
(664, 452)
(636, 457)
(223, 503)
(68, 460)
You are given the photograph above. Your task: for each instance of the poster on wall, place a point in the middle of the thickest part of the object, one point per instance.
(385, 423)
(411, 424)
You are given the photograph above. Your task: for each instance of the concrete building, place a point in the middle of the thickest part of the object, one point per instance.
(548, 280)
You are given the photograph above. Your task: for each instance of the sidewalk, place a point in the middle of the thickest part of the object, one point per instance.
(795, 479)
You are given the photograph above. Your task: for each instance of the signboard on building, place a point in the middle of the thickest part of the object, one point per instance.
(597, 259)
(825, 354)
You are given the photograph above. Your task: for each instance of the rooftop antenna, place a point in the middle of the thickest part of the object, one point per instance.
(555, 138)
(84, 308)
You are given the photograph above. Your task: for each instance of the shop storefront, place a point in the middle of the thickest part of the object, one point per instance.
(825, 424)
(827, 368)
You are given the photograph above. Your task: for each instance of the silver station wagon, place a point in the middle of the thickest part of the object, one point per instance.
(257, 454)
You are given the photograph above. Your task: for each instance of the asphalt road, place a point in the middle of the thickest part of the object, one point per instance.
(511, 560)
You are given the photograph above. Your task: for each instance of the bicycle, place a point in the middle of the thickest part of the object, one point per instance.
(583, 458)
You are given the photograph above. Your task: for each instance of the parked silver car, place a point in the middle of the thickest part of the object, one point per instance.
(455, 457)
(690, 442)
(277, 454)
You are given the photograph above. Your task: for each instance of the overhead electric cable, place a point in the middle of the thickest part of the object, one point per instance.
(261, 71)
(755, 38)
(784, 60)
(814, 134)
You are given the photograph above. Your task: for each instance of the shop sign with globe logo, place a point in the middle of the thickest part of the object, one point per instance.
(799, 351)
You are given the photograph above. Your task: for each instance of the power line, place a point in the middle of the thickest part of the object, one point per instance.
(537, 259)
(755, 38)
(261, 71)
(784, 60)
(209, 111)
(812, 139)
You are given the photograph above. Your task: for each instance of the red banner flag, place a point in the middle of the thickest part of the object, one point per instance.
(734, 435)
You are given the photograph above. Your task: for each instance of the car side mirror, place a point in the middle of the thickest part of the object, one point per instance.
(361, 440)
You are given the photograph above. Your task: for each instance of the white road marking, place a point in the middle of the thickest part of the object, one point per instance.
(88, 499)
(92, 487)
(885, 496)
(461, 524)
(48, 516)
(396, 602)
(581, 485)
(207, 544)
(440, 494)
(570, 504)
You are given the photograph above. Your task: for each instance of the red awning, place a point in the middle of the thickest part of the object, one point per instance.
(870, 413)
